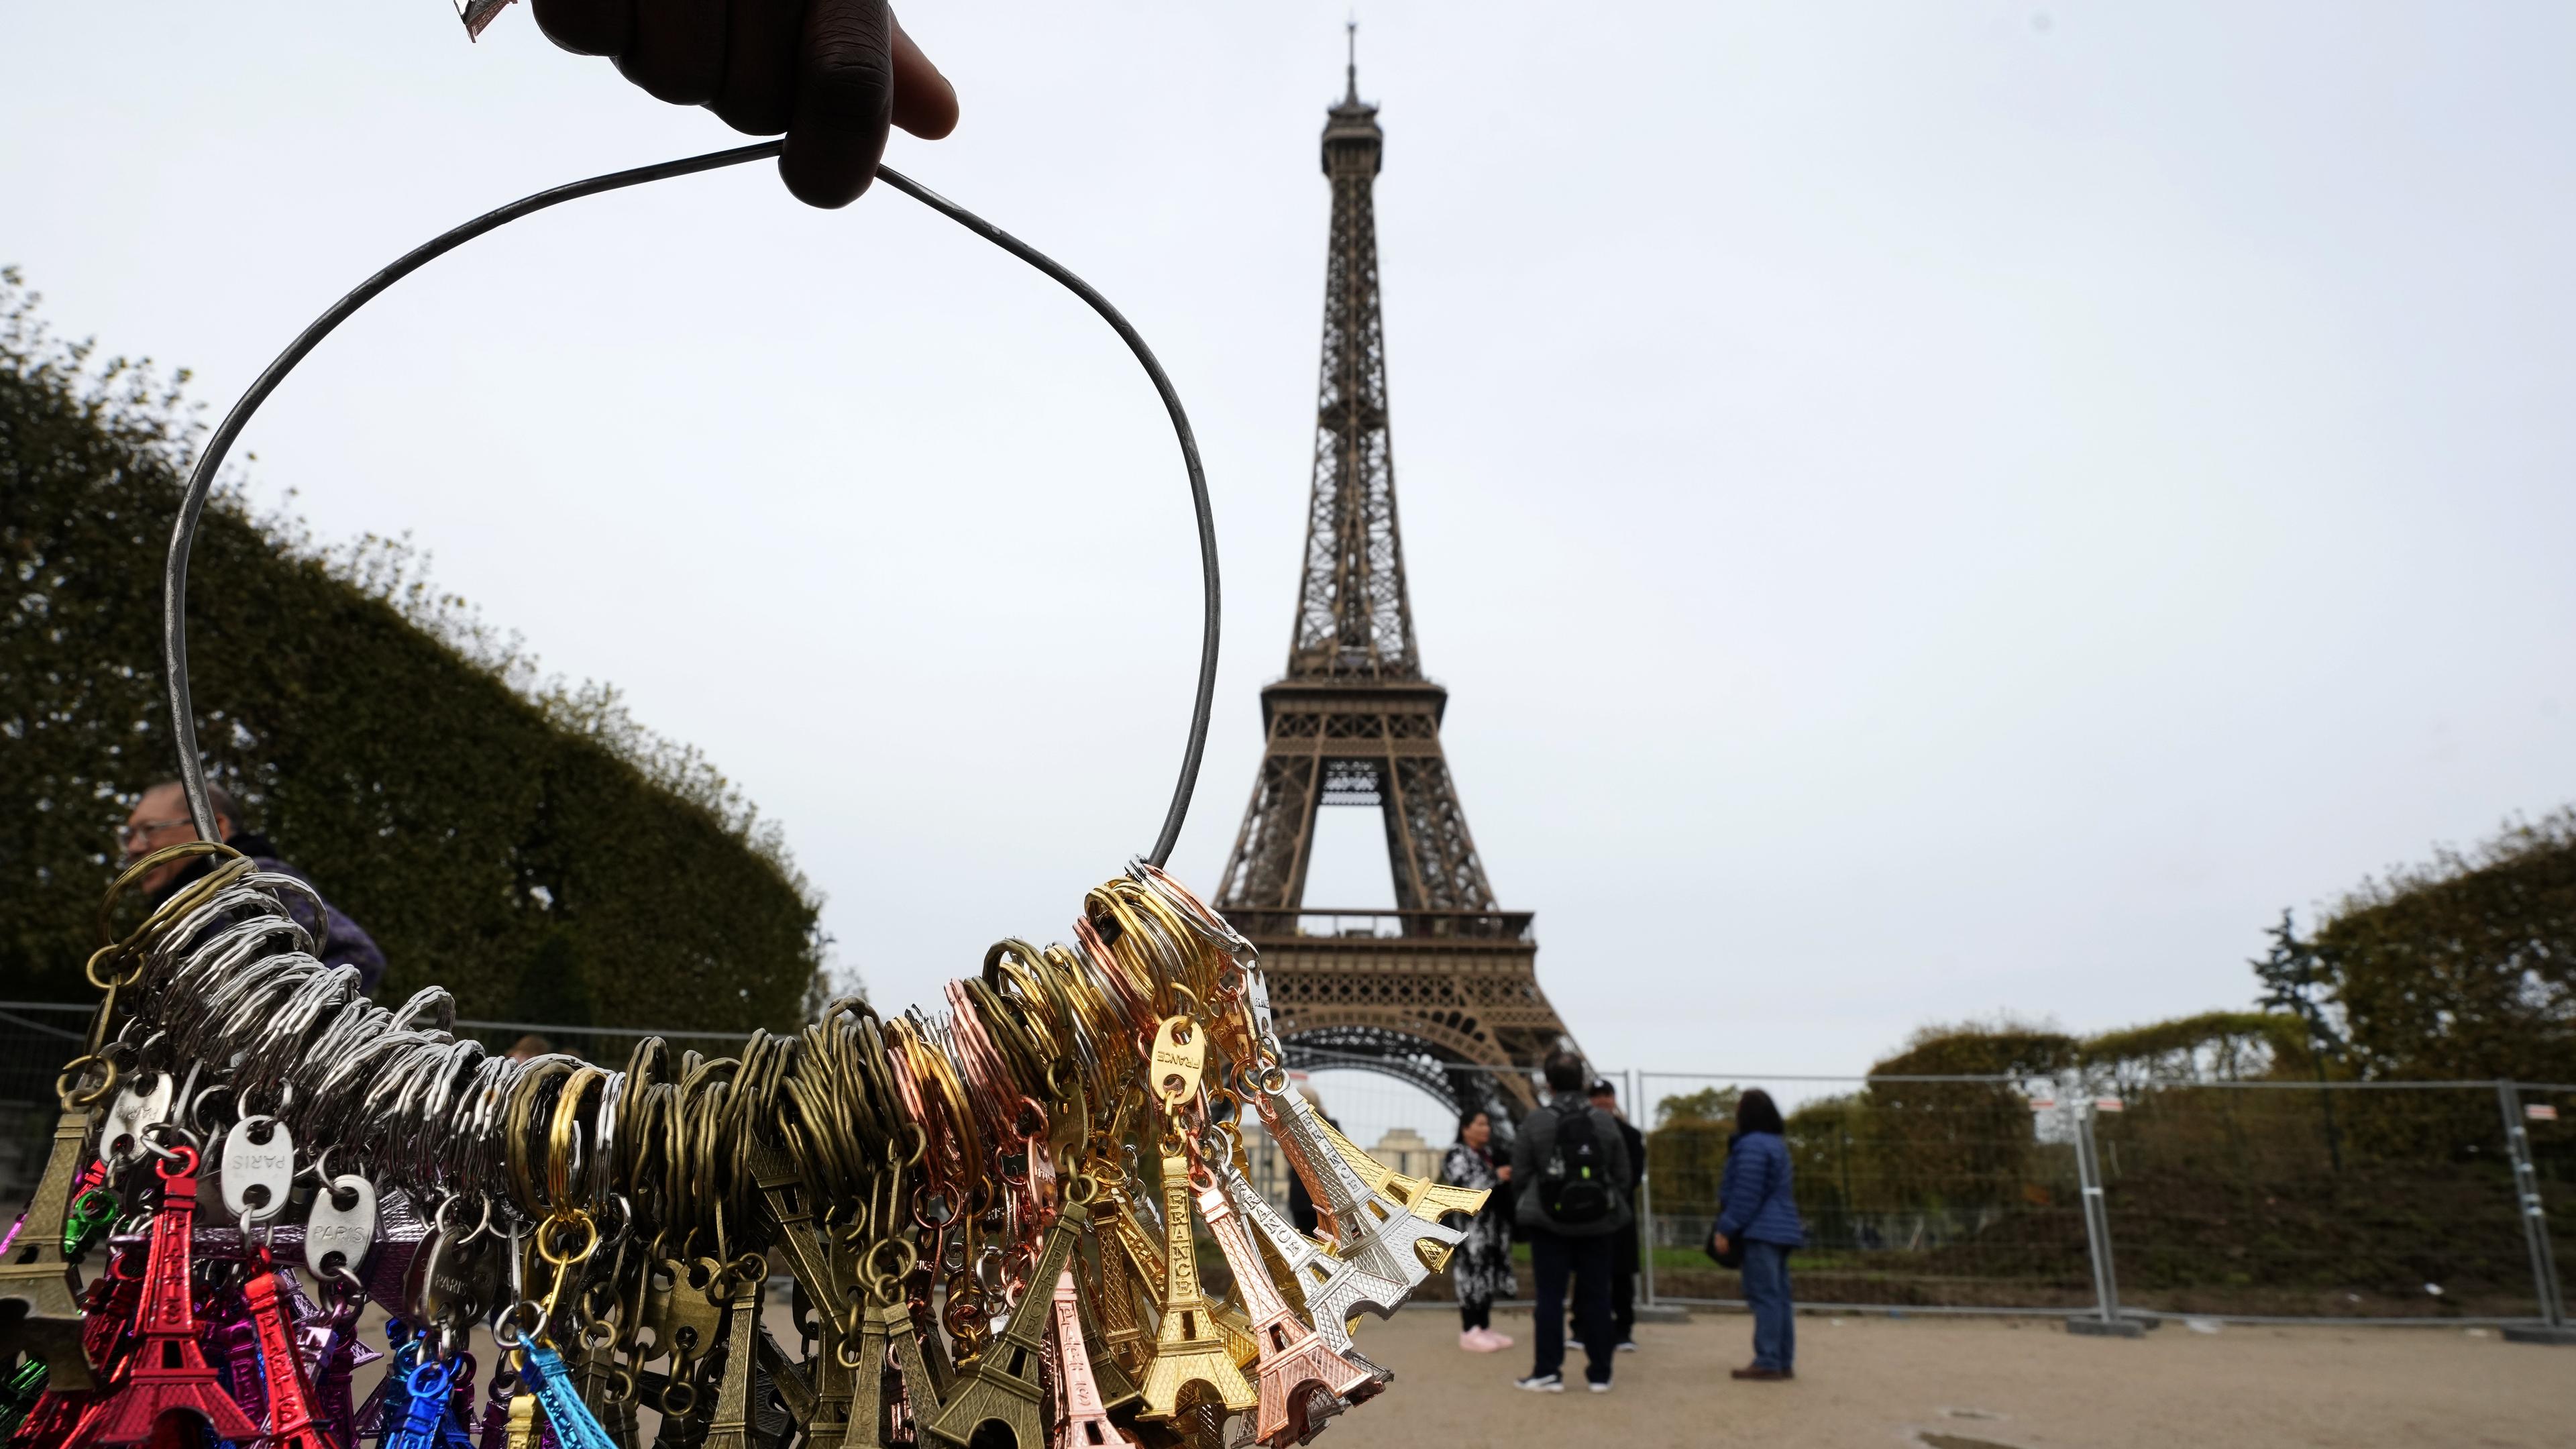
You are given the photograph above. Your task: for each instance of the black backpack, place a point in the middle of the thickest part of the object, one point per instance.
(1575, 1188)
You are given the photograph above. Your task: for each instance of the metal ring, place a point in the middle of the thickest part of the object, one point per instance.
(201, 479)
(66, 1083)
(506, 1330)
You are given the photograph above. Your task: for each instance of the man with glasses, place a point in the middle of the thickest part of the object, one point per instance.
(160, 819)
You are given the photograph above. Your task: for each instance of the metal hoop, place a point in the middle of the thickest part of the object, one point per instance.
(192, 503)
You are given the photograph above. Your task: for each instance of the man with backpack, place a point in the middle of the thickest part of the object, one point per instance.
(1573, 1166)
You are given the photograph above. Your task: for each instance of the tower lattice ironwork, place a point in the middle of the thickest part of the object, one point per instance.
(1447, 978)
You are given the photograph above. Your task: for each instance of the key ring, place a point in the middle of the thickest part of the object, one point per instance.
(201, 479)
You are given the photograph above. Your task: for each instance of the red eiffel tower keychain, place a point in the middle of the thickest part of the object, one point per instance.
(292, 1422)
(166, 1371)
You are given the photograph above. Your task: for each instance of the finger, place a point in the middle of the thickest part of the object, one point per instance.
(759, 94)
(844, 94)
(677, 51)
(585, 27)
(924, 102)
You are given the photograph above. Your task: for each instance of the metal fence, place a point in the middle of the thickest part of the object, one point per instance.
(2366, 1202)
(2442, 1202)
(2448, 1202)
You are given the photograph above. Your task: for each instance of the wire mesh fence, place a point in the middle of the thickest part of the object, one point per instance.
(2348, 1201)
(1919, 1193)
(2385, 1202)
(2388, 1202)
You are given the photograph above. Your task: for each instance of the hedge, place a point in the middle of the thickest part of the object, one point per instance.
(528, 847)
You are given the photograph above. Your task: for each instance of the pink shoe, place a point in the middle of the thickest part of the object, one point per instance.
(1499, 1340)
(1479, 1340)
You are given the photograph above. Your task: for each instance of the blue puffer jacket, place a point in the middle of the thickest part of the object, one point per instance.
(1753, 1196)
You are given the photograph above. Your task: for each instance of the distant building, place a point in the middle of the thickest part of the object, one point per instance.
(1403, 1149)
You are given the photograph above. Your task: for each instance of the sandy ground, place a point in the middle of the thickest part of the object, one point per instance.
(1961, 1383)
(1951, 1383)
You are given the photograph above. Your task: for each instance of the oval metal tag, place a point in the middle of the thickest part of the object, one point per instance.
(456, 1281)
(337, 1237)
(121, 1137)
(251, 1162)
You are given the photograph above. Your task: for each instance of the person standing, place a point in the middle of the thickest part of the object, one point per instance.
(1623, 1248)
(160, 819)
(1481, 1268)
(1569, 1165)
(1757, 1208)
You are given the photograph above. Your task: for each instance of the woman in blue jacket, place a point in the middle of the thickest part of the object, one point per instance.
(1756, 1210)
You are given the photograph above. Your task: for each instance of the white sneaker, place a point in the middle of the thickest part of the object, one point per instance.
(1600, 1386)
(1627, 1345)
(1542, 1383)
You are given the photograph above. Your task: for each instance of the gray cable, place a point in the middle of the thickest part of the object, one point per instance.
(174, 581)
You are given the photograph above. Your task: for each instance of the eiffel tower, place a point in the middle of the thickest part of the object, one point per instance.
(1447, 978)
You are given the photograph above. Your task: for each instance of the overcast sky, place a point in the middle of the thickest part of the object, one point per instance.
(1922, 510)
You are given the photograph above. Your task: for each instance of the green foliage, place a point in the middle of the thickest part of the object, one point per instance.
(1708, 1104)
(1824, 1138)
(2003, 1047)
(2464, 968)
(2224, 1046)
(526, 845)
(2294, 981)
(1686, 1157)
(1687, 1149)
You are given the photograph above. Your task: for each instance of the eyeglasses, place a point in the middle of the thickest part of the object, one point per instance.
(144, 829)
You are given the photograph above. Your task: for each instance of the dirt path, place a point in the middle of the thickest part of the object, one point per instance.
(1981, 1384)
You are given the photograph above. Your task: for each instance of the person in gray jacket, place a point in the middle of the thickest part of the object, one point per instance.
(1571, 1166)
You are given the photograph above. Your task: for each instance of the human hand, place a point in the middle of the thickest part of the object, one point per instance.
(1718, 1241)
(832, 74)
(1503, 1173)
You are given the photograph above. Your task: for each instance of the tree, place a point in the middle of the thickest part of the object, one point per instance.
(2463, 968)
(2293, 982)
(2210, 1046)
(1686, 1152)
(1708, 1104)
(1958, 1143)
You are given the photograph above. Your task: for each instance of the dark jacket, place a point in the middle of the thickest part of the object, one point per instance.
(1636, 1142)
(1536, 1143)
(1753, 1195)
(337, 940)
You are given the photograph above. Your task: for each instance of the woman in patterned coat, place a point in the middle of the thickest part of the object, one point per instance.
(1482, 1266)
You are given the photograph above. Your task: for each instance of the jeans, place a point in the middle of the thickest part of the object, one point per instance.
(1623, 1285)
(1766, 1289)
(1552, 1257)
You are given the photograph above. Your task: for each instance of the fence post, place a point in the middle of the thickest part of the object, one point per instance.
(2554, 1327)
(2106, 1320)
(1645, 1199)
